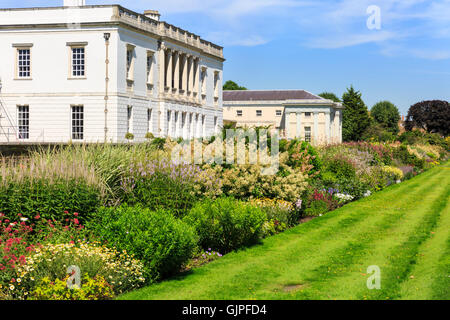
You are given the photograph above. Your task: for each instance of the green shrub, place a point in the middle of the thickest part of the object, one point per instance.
(226, 224)
(317, 208)
(91, 289)
(341, 167)
(49, 198)
(158, 239)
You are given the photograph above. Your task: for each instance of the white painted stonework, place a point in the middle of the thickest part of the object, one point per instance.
(156, 76)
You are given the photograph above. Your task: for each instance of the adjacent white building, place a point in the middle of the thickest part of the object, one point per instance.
(94, 73)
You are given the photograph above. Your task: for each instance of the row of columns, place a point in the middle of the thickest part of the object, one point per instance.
(333, 125)
(179, 72)
(186, 125)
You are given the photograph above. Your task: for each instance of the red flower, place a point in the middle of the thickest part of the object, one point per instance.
(76, 221)
(75, 214)
(37, 217)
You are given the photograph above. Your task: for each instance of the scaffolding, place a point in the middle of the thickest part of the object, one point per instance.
(7, 127)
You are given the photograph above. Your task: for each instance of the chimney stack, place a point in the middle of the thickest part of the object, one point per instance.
(152, 14)
(74, 3)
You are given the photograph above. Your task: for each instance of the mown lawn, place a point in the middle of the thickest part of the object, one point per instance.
(404, 230)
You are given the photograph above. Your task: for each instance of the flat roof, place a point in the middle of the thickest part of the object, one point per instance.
(268, 95)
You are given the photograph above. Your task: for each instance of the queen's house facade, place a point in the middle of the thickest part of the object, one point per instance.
(81, 73)
(296, 113)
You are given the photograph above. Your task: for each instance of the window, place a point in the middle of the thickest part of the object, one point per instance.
(78, 62)
(24, 63)
(130, 62)
(203, 78)
(77, 122)
(308, 134)
(307, 114)
(129, 118)
(278, 113)
(239, 113)
(23, 122)
(258, 113)
(149, 120)
(149, 67)
(216, 128)
(216, 85)
(204, 126)
(168, 123)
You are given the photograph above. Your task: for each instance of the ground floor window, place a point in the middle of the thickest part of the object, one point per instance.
(308, 134)
(149, 120)
(129, 119)
(77, 122)
(23, 122)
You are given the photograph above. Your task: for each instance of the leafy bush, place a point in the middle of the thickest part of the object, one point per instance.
(393, 172)
(166, 185)
(49, 198)
(161, 241)
(96, 288)
(341, 167)
(226, 224)
(317, 208)
(280, 214)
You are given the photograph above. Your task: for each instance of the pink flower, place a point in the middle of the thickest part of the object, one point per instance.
(75, 214)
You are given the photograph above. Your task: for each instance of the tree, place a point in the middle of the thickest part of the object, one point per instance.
(386, 114)
(330, 96)
(432, 116)
(355, 117)
(231, 85)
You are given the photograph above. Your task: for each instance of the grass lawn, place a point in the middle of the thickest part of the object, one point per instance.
(403, 229)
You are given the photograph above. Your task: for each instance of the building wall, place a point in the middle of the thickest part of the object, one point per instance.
(51, 91)
(269, 117)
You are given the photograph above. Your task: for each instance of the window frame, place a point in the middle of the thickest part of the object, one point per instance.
(239, 113)
(73, 132)
(130, 64)
(308, 138)
(19, 48)
(129, 119)
(280, 113)
(259, 113)
(20, 125)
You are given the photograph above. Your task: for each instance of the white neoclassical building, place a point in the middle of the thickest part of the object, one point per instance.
(93, 73)
(296, 113)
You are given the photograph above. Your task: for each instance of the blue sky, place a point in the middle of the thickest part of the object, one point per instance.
(319, 45)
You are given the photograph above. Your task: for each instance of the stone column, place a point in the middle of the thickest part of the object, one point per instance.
(162, 68)
(299, 125)
(327, 126)
(316, 127)
(286, 123)
(191, 75)
(176, 79)
(196, 77)
(339, 123)
(184, 78)
(169, 69)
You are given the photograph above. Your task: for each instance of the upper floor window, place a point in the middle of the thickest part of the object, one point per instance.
(78, 62)
(149, 67)
(307, 114)
(258, 113)
(130, 62)
(216, 84)
(239, 113)
(23, 69)
(278, 113)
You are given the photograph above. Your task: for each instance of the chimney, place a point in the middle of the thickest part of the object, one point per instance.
(152, 14)
(74, 3)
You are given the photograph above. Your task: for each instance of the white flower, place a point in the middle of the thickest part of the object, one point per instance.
(23, 219)
(367, 194)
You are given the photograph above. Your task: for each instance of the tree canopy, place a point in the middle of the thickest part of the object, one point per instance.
(330, 96)
(355, 117)
(387, 115)
(433, 116)
(231, 85)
